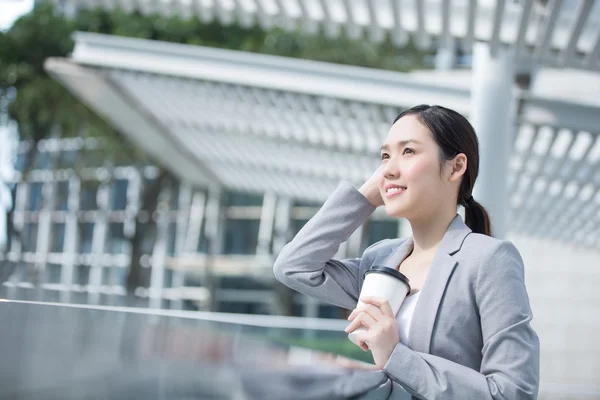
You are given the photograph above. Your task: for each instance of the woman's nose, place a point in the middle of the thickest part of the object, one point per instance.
(390, 170)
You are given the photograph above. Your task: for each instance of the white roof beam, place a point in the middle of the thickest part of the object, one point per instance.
(245, 17)
(548, 30)
(268, 72)
(224, 14)
(564, 33)
(446, 37)
(496, 27)
(525, 157)
(376, 32)
(557, 113)
(290, 20)
(399, 35)
(310, 24)
(583, 12)
(523, 25)
(554, 209)
(519, 216)
(422, 39)
(331, 28)
(593, 59)
(471, 16)
(265, 17)
(353, 30)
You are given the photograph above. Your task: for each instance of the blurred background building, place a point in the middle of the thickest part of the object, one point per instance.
(169, 149)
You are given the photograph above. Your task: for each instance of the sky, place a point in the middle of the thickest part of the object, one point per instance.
(10, 10)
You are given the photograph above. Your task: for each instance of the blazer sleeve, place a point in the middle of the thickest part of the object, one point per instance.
(305, 263)
(510, 363)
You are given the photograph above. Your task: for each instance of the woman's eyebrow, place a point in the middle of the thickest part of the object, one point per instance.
(401, 143)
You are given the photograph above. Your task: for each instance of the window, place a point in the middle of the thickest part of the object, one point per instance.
(119, 194)
(30, 237)
(52, 273)
(87, 195)
(57, 237)
(62, 196)
(241, 236)
(379, 230)
(86, 231)
(34, 199)
(243, 199)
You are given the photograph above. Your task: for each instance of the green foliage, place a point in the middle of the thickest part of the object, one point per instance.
(339, 346)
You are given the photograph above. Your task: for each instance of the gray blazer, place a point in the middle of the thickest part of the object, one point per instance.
(470, 336)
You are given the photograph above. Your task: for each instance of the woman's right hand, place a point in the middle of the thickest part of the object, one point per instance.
(370, 189)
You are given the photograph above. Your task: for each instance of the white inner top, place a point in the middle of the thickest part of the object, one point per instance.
(404, 316)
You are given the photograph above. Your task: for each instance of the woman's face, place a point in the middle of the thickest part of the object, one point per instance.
(411, 184)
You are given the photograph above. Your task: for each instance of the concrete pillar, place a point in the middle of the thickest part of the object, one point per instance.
(492, 116)
(70, 242)
(214, 234)
(183, 222)
(267, 218)
(99, 244)
(44, 229)
(159, 251)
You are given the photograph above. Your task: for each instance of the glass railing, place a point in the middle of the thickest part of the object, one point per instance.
(68, 351)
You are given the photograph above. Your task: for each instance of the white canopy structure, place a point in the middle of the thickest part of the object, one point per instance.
(295, 128)
(552, 32)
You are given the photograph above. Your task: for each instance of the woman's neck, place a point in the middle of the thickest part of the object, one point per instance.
(429, 232)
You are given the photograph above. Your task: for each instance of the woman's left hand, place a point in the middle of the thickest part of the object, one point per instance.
(381, 336)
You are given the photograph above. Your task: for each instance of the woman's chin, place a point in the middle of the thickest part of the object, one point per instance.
(394, 211)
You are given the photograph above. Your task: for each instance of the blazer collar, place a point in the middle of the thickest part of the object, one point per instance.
(441, 269)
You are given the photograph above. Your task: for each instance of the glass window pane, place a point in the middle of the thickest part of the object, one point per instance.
(86, 231)
(87, 196)
(116, 242)
(42, 160)
(52, 273)
(57, 238)
(30, 237)
(34, 198)
(67, 159)
(119, 194)
(62, 196)
(241, 236)
(243, 199)
(379, 230)
(82, 275)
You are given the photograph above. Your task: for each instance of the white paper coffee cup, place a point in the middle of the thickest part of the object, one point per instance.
(386, 282)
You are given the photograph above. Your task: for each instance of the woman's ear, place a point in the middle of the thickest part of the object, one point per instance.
(458, 167)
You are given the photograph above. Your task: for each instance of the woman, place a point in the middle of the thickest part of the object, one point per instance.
(469, 334)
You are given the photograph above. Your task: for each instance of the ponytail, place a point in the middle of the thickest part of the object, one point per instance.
(477, 218)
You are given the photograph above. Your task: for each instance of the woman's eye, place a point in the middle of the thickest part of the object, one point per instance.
(408, 151)
(385, 156)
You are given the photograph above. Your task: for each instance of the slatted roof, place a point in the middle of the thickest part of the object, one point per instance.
(270, 124)
(564, 33)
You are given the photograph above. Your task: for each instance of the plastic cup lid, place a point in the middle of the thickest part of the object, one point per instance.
(380, 269)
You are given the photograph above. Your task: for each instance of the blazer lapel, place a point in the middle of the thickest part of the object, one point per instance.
(398, 255)
(441, 269)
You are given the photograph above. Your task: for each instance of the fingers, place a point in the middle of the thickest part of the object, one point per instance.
(373, 311)
(362, 339)
(381, 303)
(363, 319)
